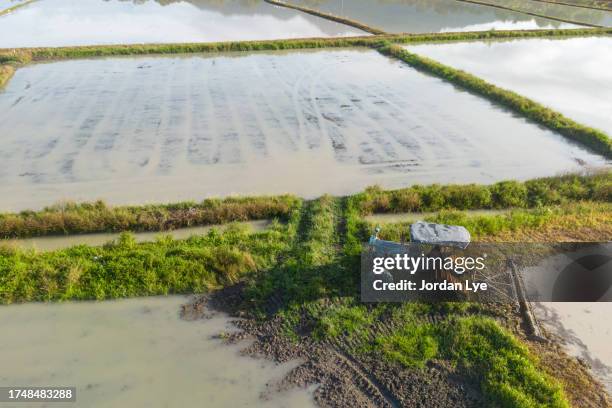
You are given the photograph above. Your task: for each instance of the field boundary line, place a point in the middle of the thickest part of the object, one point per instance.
(562, 20)
(583, 6)
(15, 7)
(328, 16)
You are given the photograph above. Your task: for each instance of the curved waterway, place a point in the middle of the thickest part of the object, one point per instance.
(570, 75)
(425, 16)
(135, 353)
(51, 23)
(159, 129)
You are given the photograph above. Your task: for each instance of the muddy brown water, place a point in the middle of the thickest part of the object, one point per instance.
(572, 76)
(50, 23)
(424, 16)
(135, 353)
(159, 129)
(52, 243)
(586, 329)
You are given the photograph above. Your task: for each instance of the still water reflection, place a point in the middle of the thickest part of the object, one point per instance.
(87, 22)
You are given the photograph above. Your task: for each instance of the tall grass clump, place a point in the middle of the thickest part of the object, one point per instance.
(72, 218)
(594, 139)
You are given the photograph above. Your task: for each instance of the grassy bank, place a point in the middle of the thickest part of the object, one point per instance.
(6, 72)
(15, 7)
(26, 55)
(505, 194)
(71, 218)
(594, 139)
(522, 225)
(127, 269)
(327, 16)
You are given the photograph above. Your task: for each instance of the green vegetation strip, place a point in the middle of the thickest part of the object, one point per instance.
(20, 56)
(578, 5)
(6, 72)
(327, 16)
(70, 218)
(506, 194)
(563, 20)
(15, 7)
(594, 139)
(483, 227)
(127, 269)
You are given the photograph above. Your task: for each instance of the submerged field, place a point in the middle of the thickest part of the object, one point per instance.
(417, 16)
(569, 75)
(173, 128)
(53, 23)
(143, 128)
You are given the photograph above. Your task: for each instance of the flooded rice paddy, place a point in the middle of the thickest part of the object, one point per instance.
(134, 353)
(52, 243)
(49, 23)
(572, 76)
(579, 15)
(132, 130)
(423, 16)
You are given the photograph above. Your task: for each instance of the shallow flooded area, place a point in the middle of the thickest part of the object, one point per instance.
(135, 352)
(560, 11)
(51, 23)
(586, 329)
(159, 129)
(572, 76)
(423, 16)
(52, 243)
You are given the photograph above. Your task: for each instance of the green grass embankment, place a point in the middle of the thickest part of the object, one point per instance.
(127, 269)
(71, 218)
(594, 139)
(506, 194)
(6, 72)
(15, 7)
(26, 55)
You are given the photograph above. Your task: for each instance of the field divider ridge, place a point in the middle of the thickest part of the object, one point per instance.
(529, 13)
(594, 139)
(328, 16)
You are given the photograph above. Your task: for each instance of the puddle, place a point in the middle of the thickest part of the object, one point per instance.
(587, 330)
(160, 129)
(572, 76)
(134, 353)
(417, 16)
(50, 23)
(53, 243)
(390, 218)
